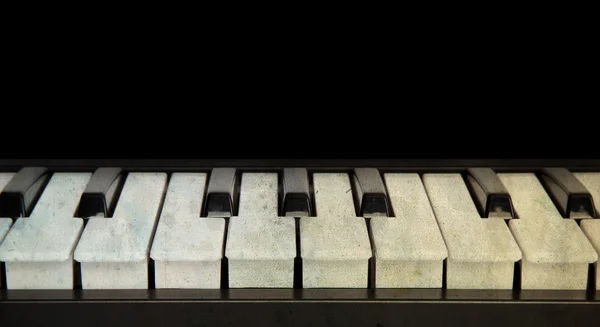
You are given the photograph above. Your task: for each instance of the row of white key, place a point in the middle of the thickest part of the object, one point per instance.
(409, 248)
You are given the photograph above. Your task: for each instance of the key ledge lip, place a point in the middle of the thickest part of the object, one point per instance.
(126, 256)
(352, 249)
(36, 251)
(171, 251)
(435, 249)
(582, 253)
(287, 248)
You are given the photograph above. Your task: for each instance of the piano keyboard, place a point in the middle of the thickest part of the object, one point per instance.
(296, 228)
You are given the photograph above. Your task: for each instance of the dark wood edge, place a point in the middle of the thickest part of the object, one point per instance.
(301, 295)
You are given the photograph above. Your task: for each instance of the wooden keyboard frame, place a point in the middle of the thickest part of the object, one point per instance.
(302, 307)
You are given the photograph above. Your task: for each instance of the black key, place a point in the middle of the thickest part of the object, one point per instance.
(569, 195)
(370, 192)
(220, 197)
(101, 193)
(490, 195)
(20, 194)
(296, 194)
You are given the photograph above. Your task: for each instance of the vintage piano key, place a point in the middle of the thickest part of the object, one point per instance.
(187, 250)
(100, 195)
(296, 193)
(114, 252)
(572, 198)
(591, 227)
(261, 246)
(38, 250)
(220, 197)
(491, 197)
(334, 246)
(370, 191)
(556, 253)
(481, 252)
(409, 248)
(18, 196)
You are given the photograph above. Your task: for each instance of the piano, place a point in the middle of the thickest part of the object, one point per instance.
(299, 242)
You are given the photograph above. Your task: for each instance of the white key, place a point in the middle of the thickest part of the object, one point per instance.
(556, 253)
(261, 246)
(335, 246)
(481, 252)
(409, 248)
(38, 250)
(187, 249)
(591, 227)
(114, 251)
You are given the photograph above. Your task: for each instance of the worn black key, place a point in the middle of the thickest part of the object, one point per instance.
(296, 193)
(20, 194)
(220, 196)
(370, 192)
(101, 193)
(569, 195)
(490, 195)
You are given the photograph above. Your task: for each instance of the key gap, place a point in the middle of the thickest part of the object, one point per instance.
(371, 277)
(2, 276)
(77, 282)
(311, 193)
(236, 192)
(151, 269)
(591, 284)
(224, 261)
(280, 198)
(204, 208)
(445, 274)
(298, 258)
(517, 276)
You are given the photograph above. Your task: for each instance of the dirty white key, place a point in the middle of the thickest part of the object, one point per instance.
(591, 227)
(261, 246)
(409, 248)
(113, 252)
(5, 223)
(556, 253)
(38, 250)
(187, 249)
(334, 245)
(481, 252)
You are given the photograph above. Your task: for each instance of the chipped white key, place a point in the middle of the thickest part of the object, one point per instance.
(38, 250)
(4, 222)
(113, 252)
(187, 250)
(591, 227)
(556, 253)
(335, 247)
(481, 252)
(261, 246)
(409, 248)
